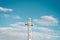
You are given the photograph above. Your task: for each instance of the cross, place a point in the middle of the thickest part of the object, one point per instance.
(29, 24)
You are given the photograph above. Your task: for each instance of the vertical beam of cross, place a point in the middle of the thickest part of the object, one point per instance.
(29, 25)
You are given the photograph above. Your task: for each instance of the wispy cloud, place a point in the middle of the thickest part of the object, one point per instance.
(5, 15)
(47, 21)
(43, 29)
(10, 16)
(16, 17)
(5, 9)
(17, 24)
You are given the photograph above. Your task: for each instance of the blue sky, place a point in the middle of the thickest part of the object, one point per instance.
(44, 13)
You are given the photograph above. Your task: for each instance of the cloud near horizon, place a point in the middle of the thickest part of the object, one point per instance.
(18, 34)
(18, 31)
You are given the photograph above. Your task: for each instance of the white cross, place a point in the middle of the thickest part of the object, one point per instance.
(29, 24)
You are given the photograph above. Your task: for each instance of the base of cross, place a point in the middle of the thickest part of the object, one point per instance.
(29, 39)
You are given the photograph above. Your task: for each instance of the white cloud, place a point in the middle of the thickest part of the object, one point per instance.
(43, 30)
(16, 34)
(12, 34)
(5, 9)
(50, 18)
(47, 21)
